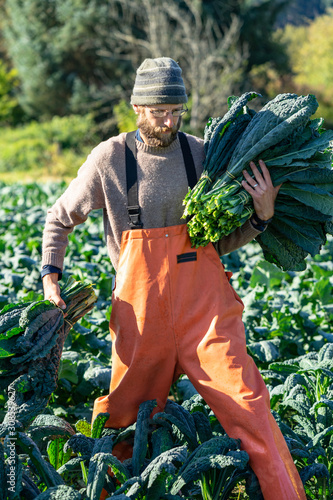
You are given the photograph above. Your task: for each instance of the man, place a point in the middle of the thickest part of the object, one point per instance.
(174, 310)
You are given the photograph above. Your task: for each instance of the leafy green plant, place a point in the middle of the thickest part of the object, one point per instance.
(298, 152)
(61, 144)
(288, 318)
(31, 342)
(303, 400)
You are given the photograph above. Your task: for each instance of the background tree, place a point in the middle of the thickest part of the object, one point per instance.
(310, 49)
(55, 48)
(259, 19)
(10, 110)
(216, 43)
(210, 57)
(78, 56)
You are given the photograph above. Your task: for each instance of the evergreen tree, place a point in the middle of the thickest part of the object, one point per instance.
(53, 45)
(259, 19)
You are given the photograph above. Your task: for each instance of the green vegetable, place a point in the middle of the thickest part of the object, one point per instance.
(180, 421)
(161, 441)
(293, 308)
(277, 121)
(141, 435)
(221, 137)
(50, 427)
(198, 466)
(60, 492)
(47, 473)
(98, 425)
(39, 337)
(298, 153)
(202, 426)
(34, 311)
(9, 317)
(100, 460)
(55, 451)
(80, 443)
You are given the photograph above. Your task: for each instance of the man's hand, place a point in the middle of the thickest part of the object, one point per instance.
(52, 290)
(262, 190)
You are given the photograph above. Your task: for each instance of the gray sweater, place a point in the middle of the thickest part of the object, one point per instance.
(101, 184)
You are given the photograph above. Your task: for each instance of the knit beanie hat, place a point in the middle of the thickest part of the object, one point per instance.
(159, 81)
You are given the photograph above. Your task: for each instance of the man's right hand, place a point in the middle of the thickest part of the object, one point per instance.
(52, 290)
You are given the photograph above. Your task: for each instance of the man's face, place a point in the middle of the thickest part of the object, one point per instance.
(158, 131)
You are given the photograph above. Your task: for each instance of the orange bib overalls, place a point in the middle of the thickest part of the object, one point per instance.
(174, 311)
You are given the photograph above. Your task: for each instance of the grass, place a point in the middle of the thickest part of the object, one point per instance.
(40, 175)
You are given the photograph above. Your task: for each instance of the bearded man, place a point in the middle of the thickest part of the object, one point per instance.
(173, 308)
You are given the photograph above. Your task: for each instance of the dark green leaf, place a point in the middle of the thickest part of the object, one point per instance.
(98, 424)
(310, 195)
(265, 350)
(46, 472)
(60, 492)
(141, 435)
(197, 466)
(314, 470)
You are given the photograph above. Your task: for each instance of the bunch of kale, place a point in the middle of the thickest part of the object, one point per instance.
(297, 151)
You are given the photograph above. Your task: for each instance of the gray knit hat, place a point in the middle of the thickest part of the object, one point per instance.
(159, 81)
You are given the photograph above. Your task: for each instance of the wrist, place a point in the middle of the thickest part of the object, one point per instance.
(49, 269)
(261, 220)
(258, 223)
(50, 278)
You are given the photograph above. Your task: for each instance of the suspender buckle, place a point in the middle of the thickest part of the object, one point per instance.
(134, 216)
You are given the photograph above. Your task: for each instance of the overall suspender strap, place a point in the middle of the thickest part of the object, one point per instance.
(133, 207)
(189, 164)
(188, 160)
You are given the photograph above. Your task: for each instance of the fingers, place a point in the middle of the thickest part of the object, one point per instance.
(261, 189)
(250, 184)
(257, 175)
(266, 176)
(260, 180)
(57, 301)
(54, 297)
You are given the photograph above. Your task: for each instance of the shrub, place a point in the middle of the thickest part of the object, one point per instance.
(56, 147)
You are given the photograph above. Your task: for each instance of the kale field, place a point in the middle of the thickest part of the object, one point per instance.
(182, 453)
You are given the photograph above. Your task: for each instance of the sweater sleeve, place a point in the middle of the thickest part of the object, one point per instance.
(236, 239)
(84, 194)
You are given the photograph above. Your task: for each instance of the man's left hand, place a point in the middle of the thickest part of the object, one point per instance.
(261, 189)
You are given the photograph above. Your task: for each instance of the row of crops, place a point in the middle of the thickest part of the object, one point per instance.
(182, 452)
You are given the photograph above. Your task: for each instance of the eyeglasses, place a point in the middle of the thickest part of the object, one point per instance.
(160, 113)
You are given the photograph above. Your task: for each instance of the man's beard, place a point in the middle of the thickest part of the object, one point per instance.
(154, 135)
